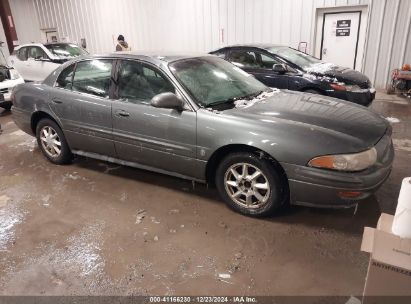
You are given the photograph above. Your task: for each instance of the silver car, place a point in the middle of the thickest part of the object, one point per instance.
(204, 119)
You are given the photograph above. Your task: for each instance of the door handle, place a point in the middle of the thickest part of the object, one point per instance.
(123, 113)
(57, 101)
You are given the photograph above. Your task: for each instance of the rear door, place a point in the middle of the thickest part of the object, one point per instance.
(259, 65)
(161, 138)
(81, 100)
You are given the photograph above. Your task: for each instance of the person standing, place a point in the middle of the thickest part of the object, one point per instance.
(122, 45)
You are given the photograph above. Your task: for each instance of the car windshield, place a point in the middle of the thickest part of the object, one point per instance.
(298, 58)
(213, 81)
(65, 50)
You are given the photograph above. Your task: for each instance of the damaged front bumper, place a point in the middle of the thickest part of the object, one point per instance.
(6, 88)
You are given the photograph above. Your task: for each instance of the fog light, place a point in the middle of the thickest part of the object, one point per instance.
(349, 194)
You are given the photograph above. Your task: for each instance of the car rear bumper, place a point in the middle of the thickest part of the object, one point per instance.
(362, 97)
(333, 189)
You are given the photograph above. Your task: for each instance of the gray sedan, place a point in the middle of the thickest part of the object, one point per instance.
(204, 119)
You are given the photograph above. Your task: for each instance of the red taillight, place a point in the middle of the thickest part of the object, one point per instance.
(337, 87)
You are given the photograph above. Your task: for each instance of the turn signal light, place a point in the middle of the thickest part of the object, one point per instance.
(349, 194)
(338, 87)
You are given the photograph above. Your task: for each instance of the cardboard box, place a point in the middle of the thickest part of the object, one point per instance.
(389, 270)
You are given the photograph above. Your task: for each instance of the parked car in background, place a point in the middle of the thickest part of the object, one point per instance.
(9, 78)
(286, 68)
(36, 61)
(204, 119)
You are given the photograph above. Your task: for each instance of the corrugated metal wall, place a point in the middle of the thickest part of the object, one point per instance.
(389, 41)
(203, 25)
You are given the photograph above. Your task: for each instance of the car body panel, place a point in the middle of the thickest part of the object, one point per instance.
(288, 127)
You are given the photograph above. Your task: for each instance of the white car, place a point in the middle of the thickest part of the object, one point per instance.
(9, 78)
(36, 61)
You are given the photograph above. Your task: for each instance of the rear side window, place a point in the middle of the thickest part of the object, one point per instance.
(139, 83)
(65, 78)
(93, 77)
(22, 54)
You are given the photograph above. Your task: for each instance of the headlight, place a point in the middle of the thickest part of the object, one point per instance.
(14, 74)
(346, 162)
(341, 86)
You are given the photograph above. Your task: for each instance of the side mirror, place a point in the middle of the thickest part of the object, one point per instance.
(167, 100)
(279, 68)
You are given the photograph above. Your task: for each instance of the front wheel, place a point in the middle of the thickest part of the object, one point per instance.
(52, 142)
(250, 185)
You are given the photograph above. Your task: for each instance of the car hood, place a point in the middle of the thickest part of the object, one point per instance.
(353, 125)
(341, 74)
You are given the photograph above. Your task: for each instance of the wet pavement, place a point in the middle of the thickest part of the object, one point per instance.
(97, 228)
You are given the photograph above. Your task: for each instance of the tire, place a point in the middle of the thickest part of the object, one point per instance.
(313, 92)
(59, 155)
(274, 196)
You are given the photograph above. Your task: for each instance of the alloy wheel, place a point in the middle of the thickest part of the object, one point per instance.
(247, 185)
(50, 141)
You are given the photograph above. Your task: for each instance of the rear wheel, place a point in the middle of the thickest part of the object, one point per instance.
(250, 185)
(52, 142)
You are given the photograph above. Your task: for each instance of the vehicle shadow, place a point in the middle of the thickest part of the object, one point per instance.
(344, 220)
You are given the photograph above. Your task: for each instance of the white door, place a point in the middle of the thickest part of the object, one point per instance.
(340, 38)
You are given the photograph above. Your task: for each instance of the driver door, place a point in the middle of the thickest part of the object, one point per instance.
(155, 137)
(39, 64)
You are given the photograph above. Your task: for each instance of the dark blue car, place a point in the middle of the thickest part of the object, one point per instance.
(286, 68)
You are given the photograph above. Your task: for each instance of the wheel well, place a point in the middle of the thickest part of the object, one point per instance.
(222, 152)
(36, 117)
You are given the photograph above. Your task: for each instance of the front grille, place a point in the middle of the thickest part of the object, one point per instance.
(4, 91)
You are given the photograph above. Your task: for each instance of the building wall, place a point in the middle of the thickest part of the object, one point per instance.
(204, 25)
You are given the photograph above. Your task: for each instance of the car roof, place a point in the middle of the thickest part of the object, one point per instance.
(152, 56)
(265, 46)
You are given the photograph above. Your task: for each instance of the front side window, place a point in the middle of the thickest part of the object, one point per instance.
(139, 83)
(93, 77)
(267, 62)
(36, 52)
(244, 59)
(212, 80)
(22, 54)
(64, 80)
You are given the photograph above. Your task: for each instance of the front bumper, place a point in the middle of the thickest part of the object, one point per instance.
(5, 90)
(323, 188)
(363, 97)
